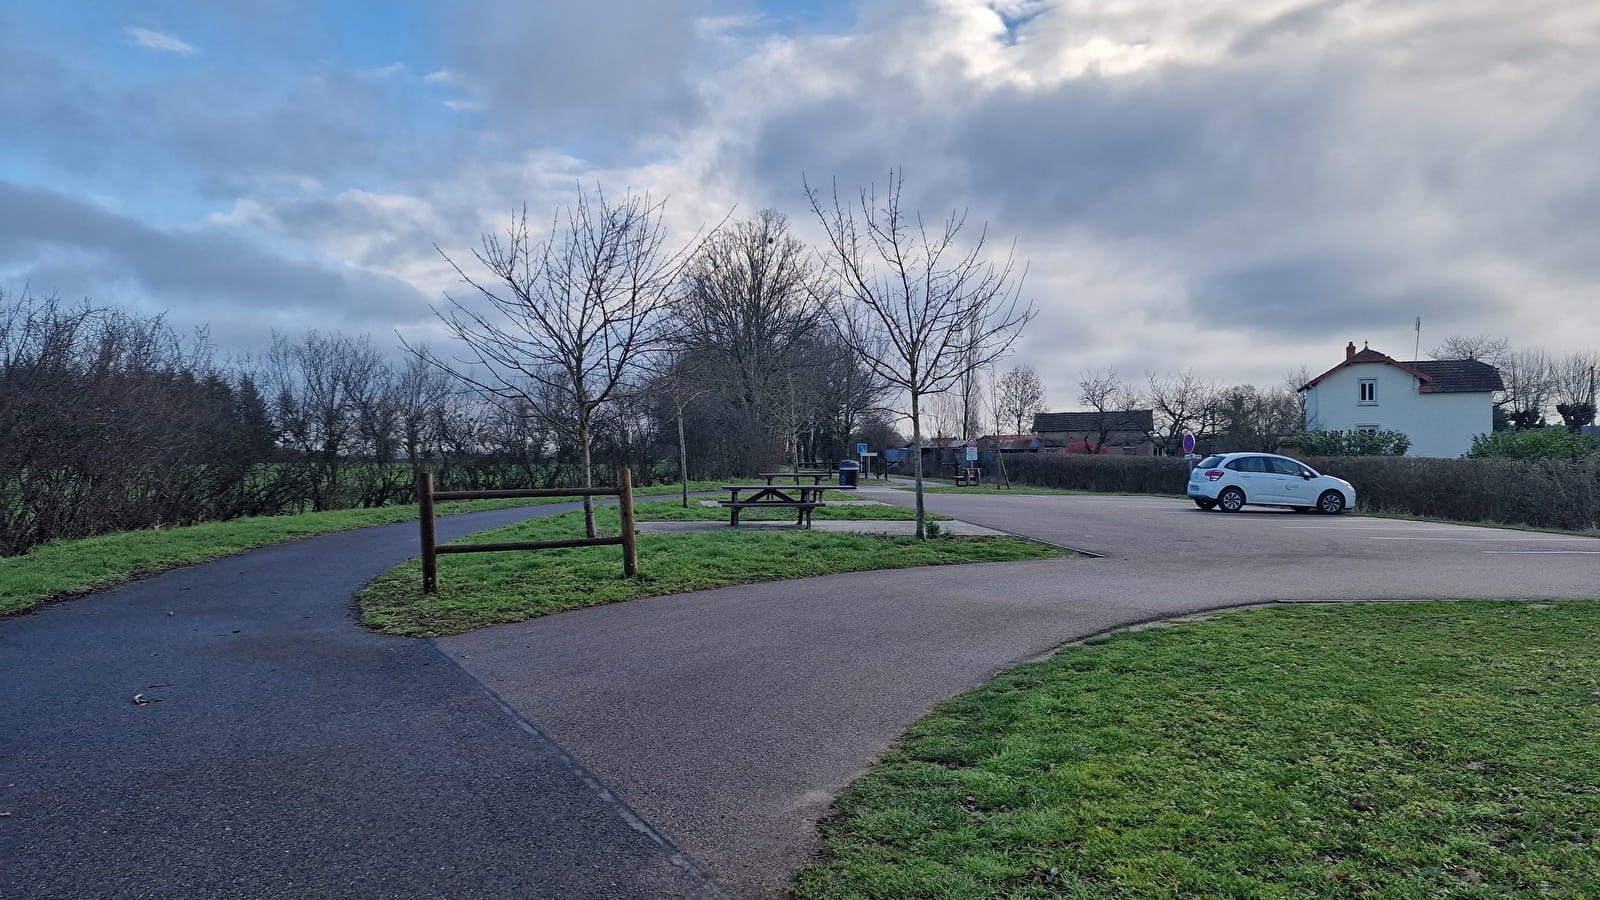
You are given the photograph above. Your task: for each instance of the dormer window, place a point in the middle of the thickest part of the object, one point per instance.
(1369, 391)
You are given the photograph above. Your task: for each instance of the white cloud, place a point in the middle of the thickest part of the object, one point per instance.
(155, 40)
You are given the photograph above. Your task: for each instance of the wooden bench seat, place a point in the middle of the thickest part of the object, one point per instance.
(802, 508)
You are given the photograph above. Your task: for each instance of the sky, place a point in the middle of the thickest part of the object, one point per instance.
(1236, 188)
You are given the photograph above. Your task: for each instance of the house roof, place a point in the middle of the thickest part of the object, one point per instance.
(1138, 420)
(1011, 441)
(1451, 376)
(1434, 376)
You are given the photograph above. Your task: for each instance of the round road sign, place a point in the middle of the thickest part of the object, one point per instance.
(1188, 442)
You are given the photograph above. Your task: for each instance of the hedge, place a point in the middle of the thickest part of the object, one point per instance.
(1541, 493)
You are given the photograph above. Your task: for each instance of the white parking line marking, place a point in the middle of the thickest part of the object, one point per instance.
(1564, 552)
(1486, 540)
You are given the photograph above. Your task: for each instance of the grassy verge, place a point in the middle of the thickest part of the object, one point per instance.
(68, 568)
(489, 588)
(1396, 751)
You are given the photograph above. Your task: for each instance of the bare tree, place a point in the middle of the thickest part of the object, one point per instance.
(1481, 347)
(1110, 399)
(1573, 388)
(1019, 394)
(749, 299)
(1529, 379)
(576, 313)
(918, 310)
(1253, 419)
(1182, 403)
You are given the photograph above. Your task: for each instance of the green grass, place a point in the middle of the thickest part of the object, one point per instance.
(488, 588)
(68, 568)
(1390, 751)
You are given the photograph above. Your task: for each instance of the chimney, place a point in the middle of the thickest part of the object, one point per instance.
(1350, 350)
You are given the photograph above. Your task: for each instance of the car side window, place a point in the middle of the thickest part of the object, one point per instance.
(1286, 467)
(1249, 464)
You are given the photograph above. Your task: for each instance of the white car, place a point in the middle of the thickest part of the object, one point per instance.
(1228, 481)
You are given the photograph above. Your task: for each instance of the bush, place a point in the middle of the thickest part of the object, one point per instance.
(1352, 443)
(1541, 493)
(1108, 474)
(1537, 443)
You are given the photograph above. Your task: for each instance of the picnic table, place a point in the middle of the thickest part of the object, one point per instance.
(816, 476)
(801, 498)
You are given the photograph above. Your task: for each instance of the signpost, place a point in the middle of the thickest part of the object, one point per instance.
(1188, 446)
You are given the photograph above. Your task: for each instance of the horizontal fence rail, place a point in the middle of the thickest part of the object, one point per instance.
(431, 549)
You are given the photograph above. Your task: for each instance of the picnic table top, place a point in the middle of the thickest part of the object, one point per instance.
(779, 489)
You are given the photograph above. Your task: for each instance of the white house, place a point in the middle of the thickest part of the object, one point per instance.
(1440, 404)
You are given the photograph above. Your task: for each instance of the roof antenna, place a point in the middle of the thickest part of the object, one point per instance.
(1415, 351)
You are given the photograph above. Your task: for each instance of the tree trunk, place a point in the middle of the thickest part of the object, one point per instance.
(916, 463)
(683, 460)
(588, 472)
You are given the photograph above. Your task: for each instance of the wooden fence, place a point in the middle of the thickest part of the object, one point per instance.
(431, 548)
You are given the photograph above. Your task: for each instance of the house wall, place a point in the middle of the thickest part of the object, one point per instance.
(1441, 425)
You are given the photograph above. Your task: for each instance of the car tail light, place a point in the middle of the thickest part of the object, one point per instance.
(1214, 474)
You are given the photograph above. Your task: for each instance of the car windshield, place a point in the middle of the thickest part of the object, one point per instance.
(1209, 462)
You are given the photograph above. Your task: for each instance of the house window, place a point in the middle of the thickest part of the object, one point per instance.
(1369, 391)
(1368, 429)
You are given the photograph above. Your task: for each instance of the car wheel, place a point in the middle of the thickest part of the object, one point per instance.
(1331, 502)
(1230, 500)
(1205, 504)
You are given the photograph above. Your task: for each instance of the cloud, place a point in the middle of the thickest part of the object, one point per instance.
(155, 40)
(209, 275)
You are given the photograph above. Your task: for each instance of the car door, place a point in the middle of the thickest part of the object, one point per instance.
(1290, 483)
(1253, 475)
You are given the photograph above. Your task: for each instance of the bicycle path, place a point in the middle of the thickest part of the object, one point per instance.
(285, 751)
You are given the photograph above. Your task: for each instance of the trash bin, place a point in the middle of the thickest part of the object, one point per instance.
(849, 473)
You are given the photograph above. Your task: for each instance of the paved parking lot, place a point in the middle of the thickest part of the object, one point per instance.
(730, 718)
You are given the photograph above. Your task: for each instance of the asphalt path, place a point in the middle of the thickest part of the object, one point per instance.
(730, 718)
(674, 746)
(284, 751)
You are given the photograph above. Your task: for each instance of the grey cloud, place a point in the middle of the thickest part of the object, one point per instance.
(1296, 21)
(208, 275)
(591, 77)
(1332, 294)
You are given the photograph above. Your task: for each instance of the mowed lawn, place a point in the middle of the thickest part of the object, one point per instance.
(67, 568)
(1389, 751)
(477, 589)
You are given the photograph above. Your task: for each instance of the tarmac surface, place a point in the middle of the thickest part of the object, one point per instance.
(284, 751)
(676, 746)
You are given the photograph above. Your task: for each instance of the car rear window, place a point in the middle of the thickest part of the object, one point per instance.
(1210, 462)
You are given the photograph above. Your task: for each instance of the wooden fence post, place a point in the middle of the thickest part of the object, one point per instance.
(630, 544)
(430, 542)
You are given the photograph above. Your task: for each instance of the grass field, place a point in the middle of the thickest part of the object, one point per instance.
(72, 567)
(488, 588)
(1391, 751)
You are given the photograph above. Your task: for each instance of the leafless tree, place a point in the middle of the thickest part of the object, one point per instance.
(1573, 388)
(749, 299)
(1110, 399)
(1253, 419)
(1529, 379)
(915, 307)
(1482, 347)
(1182, 403)
(327, 391)
(1019, 395)
(578, 312)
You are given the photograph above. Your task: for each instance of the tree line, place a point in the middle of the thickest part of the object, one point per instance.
(574, 350)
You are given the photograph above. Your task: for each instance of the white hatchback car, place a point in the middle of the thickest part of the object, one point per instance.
(1228, 481)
